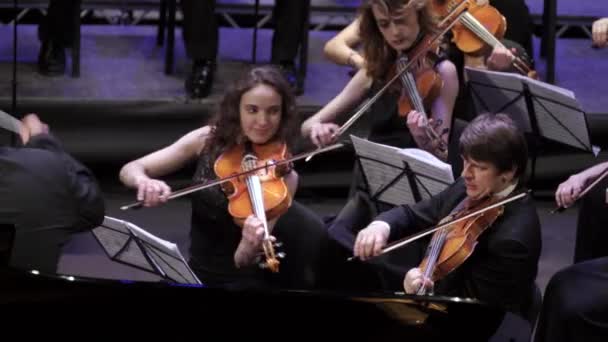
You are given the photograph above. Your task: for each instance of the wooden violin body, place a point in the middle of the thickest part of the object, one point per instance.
(275, 194)
(467, 35)
(420, 87)
(450, 247)
(479, 30)
(262, 192)
(428, 85)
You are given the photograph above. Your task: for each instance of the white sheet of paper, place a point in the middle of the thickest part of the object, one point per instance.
(382, 164)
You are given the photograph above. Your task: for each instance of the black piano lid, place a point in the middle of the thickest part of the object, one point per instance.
(237, 314)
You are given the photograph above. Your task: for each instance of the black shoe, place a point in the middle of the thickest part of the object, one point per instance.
(289, 71)
(199, 82)
(51, 59)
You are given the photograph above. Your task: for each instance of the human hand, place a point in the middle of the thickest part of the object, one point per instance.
(501, 58)
(371, 240)
(251, 241)
(599, 31)
(32, 126)
(414, 279)
(568, 191)
(418, 124)
(322, 134)
(152, 192)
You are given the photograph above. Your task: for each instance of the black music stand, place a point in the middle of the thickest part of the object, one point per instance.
(130, 245)
(393, 178)
(544, 111)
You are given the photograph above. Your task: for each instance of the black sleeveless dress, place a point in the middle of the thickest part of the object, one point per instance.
(215, 237)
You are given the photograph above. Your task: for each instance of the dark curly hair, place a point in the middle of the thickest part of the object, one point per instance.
(379, 56)
(226, 123)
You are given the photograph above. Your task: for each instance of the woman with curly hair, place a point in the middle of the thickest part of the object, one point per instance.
(258, 109)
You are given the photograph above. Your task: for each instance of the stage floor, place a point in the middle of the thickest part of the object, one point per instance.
(124, 63)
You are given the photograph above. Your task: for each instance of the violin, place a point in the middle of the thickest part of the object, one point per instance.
(262, 193)
(480, 26)
(450, 222)
(452, 245)
(420, 86)
(207, 184)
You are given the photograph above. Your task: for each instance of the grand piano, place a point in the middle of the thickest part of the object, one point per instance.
(147, 308)
(178, 303)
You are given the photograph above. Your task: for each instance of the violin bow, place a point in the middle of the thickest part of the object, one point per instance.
(205, 185)
(400, 243)
(10, 123)
(585, 191)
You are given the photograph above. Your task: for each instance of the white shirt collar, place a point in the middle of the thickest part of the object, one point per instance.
(507, 191)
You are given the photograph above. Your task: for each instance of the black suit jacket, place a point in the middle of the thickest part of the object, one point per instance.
(503, 266)
(47, 196)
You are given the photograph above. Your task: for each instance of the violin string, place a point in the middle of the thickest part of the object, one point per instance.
(436, 248)
(437, 241)
(255, 194)
(410, 84)
(476, 27)
(408, 81)
(418, 53)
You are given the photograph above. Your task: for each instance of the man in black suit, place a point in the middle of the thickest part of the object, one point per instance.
(502, 267)
(200, 33)
(46, 195)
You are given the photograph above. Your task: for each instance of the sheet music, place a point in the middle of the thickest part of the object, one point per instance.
(382, 164)
(120, 246)
(558, 112)
(499, 92)
(379, 175)
(437, 174)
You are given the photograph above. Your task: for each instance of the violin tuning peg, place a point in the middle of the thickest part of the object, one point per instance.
(281, 255)
(278, 244)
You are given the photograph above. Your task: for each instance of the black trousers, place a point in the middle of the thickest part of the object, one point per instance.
(57, 25)
(200, 29)
(575, 305)
(360, 211)
(591, 231)
(519, 22)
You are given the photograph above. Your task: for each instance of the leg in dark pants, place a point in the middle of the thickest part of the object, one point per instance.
(591, 232)
(200, 33)
(575, 306)
(289, 18)
(200, 30)
(56, 32)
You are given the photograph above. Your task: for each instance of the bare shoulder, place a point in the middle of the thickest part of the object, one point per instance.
(195, 140)
(447, 69)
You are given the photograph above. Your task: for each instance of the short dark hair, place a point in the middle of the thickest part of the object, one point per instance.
(494, 138)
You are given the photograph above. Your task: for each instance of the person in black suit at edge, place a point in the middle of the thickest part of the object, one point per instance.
(47, 196)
